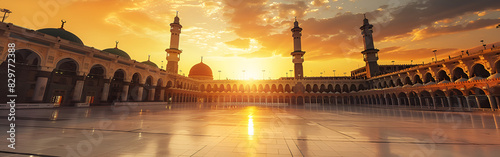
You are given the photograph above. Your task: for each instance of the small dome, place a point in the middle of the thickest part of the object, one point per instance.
(118, 52)
(150, 63)
(201, 71)
(63, 34)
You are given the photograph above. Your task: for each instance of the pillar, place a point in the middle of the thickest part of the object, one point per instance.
(162, 94)
(467, 100)
(125, 91)
(434, 101)
(459, 102)
(152, 94)
(477, 102)
(105, 91)
(493, 104)
(421, 102)
(140, 91)
(78, 89)
(41, 85)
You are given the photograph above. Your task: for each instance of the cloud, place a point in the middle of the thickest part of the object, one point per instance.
(239, 43)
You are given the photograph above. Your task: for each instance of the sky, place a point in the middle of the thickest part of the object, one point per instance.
(254, 35)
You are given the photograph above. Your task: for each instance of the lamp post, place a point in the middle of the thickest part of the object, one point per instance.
(5, 12)
(411, 62)
(244, 76)
(484, 45)
(321, 74)
(286, 74)
(263, 74)
(180, 72)
(219, 74)
(291, 73)
(161, 65)
(435, 56)
(334, 73)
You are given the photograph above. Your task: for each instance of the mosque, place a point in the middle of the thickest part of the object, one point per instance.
(55, 68)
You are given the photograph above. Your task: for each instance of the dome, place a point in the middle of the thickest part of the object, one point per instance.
(150, 63)
(118, 52)
(201, 71)
(63, 34)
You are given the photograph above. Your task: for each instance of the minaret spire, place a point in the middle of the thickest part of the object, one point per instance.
(202, 59)
(298, 54)
(116, 44)
(149, 56)
(370, 54)
(173, 53)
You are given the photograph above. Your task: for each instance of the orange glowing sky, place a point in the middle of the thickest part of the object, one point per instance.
(254, 35)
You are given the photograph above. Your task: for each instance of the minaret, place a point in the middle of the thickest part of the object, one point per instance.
(370, 54)
(298, 54)
(173, 53)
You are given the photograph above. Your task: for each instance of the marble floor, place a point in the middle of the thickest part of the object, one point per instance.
(250, 130)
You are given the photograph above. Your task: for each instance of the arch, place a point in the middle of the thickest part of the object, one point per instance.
(308, 88)
(391, 83)
(337, 88)
(254, 88)
(361, 87)
(399, 82)
(322, 88)
(330, 88)
(97, 71)
(242, 88)
(228, 88)
(202, 87)
(480, 101)
(267, 88)
(315, 88)
(429, 78)
(497, 66)
(221, 88)
(273, 88)
(28, 57)
(235, 88)
(353, 88)
(247, 88)
(261, 89)
(345, 88)
(480, 71)
(67, 66)
(280, 88)
(407, 81)
(417, 79)
(458, 73)
(442, 75)
(215, 88)
(287, 88)
(209, 88)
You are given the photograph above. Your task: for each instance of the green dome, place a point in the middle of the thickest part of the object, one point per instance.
(63, 34)
(118, 52)
(150, 63)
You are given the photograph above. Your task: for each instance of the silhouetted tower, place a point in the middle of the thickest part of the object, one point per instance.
(173, 53)
(298, 54)
(370, 54)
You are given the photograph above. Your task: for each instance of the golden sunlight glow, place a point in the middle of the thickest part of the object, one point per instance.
(250, 122)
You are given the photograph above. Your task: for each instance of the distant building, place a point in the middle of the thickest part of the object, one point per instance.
(54, 67)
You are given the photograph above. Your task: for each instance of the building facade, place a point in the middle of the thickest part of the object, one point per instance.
(53, 66)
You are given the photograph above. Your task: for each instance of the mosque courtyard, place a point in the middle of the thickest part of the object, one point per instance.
(193, 129)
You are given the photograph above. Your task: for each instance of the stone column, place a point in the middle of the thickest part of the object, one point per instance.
(493, 104)
(41, 85)
(477, 102)
(421, 102)
(434, 101)
(78, 89)
(467, 100)
(124, 95)
(152, 94)
(140, 91)
(399, 101)
(105, 91)
(162, 94)
(460, 102)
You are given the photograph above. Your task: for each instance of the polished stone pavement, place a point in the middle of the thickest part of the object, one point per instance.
(251, 130)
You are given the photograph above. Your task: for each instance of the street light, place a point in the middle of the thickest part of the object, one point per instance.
(484, 45)
(263, 74)
(219, 74)
(411, 62)
(334, 73)
(161, 65)
(321, 73)
(286, 74)
(435, 56)
(393, 68)
(5, 12)
(291, 73)
(244, 75)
